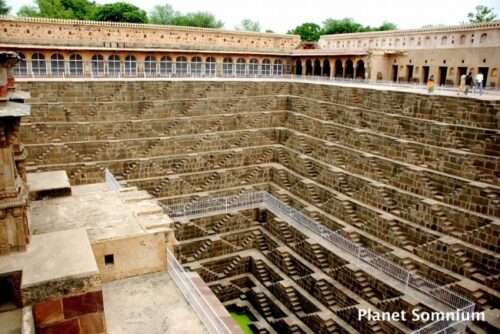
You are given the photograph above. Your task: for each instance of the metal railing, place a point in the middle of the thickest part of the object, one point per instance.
(439, 295)
(110, 180)
(212, 321)
(141, 70)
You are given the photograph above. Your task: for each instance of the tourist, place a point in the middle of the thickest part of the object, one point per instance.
(479, 83)
(461, 88)
(468, 83)
(430, 84)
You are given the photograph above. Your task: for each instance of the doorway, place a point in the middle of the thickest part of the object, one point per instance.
(484, 70)
(326, 68)
(461, 71)
(309, 67)
(425, 74)
(298, 67)
(409, 73)
(395, 73)
(443, 70)
(10, 296)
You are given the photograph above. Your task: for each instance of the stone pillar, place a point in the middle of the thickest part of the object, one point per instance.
(14, 231)
(375, 66)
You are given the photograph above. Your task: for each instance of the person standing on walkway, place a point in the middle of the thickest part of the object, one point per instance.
(461, 89)
(468, 83)
(430, 84)
(479, 83)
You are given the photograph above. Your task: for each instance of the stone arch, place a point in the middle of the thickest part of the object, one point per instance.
(114, 64)
(181, 65)
(241, 65)
(253, 67)
(278, 67)
(339, 69)
(227, 66)
(462, 40)
(444, 40)
(57, 64)
(97, 64)
(196, 66)
(75, 64)
(326, 68)
(298, 67)
(317, 67)
(427, 41)
(210, 66)
(360, 69)
(166, 65)
(309, 68)
(266, 67)
(150, 65)
(483, 38)
(349, 69)
(130, 65)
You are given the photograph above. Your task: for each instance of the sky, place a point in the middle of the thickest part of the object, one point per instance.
(282, 15)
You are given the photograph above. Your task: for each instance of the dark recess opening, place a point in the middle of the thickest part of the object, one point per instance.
(409, 73)
(442, 75)
(109, 259)
(394, 73)
(10, 297)
(484, 70)
(425, 74)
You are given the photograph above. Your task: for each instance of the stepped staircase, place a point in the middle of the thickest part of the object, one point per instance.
(232, 265)
(319, 258)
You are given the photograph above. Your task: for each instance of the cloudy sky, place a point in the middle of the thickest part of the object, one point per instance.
(281, 15)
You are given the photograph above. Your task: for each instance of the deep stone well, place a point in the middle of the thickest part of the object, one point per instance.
(410, 176)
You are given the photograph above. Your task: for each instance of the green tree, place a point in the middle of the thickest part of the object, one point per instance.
(120, 12)
(432, 26)
(482, 14)
(386, 26)
(198, 19)
(348, 25)
(62, 9)
(270, 31)
(307, 31)
(342, 26)
(4, 9)
(248, 25)
(163, 14)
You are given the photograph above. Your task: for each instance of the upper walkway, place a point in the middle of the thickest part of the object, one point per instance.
(381, 85)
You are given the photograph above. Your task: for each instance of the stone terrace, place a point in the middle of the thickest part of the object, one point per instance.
(410, 176)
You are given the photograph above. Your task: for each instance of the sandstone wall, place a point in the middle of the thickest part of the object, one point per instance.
(68, 33)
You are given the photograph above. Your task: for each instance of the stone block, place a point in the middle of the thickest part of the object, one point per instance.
(92, 324)
(66, 327)
(90, 302)
(48, 312)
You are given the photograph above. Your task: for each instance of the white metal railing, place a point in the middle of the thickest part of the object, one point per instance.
(39, 70)
(442, 296)
(110, 180)
(212, 321)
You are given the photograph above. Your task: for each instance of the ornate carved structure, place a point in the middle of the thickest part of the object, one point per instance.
(14, 228)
